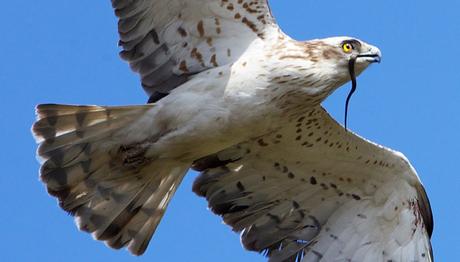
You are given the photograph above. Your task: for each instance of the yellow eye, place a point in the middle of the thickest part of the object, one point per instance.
(347, 47)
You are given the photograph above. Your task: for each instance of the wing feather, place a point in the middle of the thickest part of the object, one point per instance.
(167, 41)
(314, 192)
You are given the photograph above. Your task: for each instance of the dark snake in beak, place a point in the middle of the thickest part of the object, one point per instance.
(351, 70)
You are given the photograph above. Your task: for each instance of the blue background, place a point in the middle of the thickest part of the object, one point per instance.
(66, 51)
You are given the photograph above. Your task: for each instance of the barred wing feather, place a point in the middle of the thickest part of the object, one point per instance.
(314, 192)
(167, 41)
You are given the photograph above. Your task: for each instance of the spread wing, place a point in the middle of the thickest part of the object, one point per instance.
(167, 41)
(314, 192)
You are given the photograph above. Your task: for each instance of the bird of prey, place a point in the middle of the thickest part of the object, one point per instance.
(232, 96)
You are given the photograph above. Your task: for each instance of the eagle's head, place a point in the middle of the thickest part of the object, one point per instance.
(318, 67)
(326, 64)
(332, 56)
(344, 58)
(348, 48)
(329, 63)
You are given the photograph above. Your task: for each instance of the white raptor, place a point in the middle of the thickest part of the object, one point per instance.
(234, 97)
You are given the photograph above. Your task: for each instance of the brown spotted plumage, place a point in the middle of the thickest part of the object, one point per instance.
(324, 202)
(239, 101)
(156, 46)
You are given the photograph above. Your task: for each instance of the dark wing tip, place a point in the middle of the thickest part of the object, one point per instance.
(425, 209)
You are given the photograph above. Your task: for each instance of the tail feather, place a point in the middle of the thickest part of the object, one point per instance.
(153, 211)
(119, 204)
(56, 130)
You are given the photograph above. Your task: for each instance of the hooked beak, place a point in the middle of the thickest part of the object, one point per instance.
(372, 56)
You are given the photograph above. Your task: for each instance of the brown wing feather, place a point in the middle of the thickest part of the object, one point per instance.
(167, 41)
(316, 192)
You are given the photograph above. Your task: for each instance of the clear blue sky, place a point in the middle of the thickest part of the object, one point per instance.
(66, 52)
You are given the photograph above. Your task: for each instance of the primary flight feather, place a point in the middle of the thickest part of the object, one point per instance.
(232, 96)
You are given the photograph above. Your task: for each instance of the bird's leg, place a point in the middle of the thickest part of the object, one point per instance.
(351, 69)
(132, 155)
